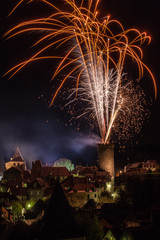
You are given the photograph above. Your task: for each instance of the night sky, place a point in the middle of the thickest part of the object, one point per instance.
(44, 133)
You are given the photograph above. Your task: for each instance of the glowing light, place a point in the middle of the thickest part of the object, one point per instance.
(115, 195)
(109, 185)
(30, 204)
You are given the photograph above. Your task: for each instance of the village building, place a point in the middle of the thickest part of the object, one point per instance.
(82, 185)
(92, 173)
(40, 171)
(151, 165)
(19, 192)
(141, 167)
(16, 161)
(37, 188)
(16, 176)
(59, 221)
(5, 214)
(12, 177)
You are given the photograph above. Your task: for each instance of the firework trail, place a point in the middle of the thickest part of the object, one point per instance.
(97, 56)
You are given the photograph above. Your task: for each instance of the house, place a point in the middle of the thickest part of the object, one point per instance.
(151, 165)
(16, 176)
(6, 214)
(79, 185)
(40, 171)
(58, 220)
(20, 193)
(35, 213)
(6, 198)
(141, 167)
(85, 171)
(91, 173)
(135, 168)
(13, 176)
(36, 188)
(16, 161)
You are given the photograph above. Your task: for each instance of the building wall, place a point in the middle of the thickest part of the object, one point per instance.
(15, 164)
(106, 158)
(35, 193)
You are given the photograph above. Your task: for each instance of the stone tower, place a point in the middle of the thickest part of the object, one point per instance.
(106, 158)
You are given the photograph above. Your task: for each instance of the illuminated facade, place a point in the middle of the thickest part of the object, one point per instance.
(16, 161)
(106, 158)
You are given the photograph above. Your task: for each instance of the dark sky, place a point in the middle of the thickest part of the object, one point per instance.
(42, 132)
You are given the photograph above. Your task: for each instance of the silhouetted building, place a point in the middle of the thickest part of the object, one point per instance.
(13, 177)
(38, 171)
(141, 167)
(59, 221)
(80, 185)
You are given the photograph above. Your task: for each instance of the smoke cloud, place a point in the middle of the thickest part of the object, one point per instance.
(46, 140)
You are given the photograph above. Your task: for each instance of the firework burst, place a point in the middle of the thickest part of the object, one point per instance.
(97, 57)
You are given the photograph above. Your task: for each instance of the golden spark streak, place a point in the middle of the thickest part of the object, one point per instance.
(95, 49)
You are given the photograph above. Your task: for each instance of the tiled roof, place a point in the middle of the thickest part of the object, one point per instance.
(83, 187)
(17, 154)
(71, 180)
(26, 174)
(17, 159)
(40, 182)
(152, 161)
(59, 221)
(55, 171)
(84, 170)
(136, 165)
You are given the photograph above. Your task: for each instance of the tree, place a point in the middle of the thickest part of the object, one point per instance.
(77, 199)
(90, 205)
(17, 210)
(109, 236)
(63, 162)
(92, 228)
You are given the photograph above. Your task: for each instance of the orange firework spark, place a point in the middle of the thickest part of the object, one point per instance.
(96, 49)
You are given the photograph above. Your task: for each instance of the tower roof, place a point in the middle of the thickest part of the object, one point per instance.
(17, 156)
(59, 219)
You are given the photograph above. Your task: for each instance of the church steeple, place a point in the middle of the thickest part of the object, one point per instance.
(16, 161)
(59, 221)
(17, 154)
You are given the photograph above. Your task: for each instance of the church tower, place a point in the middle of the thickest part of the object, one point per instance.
(16, 161)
